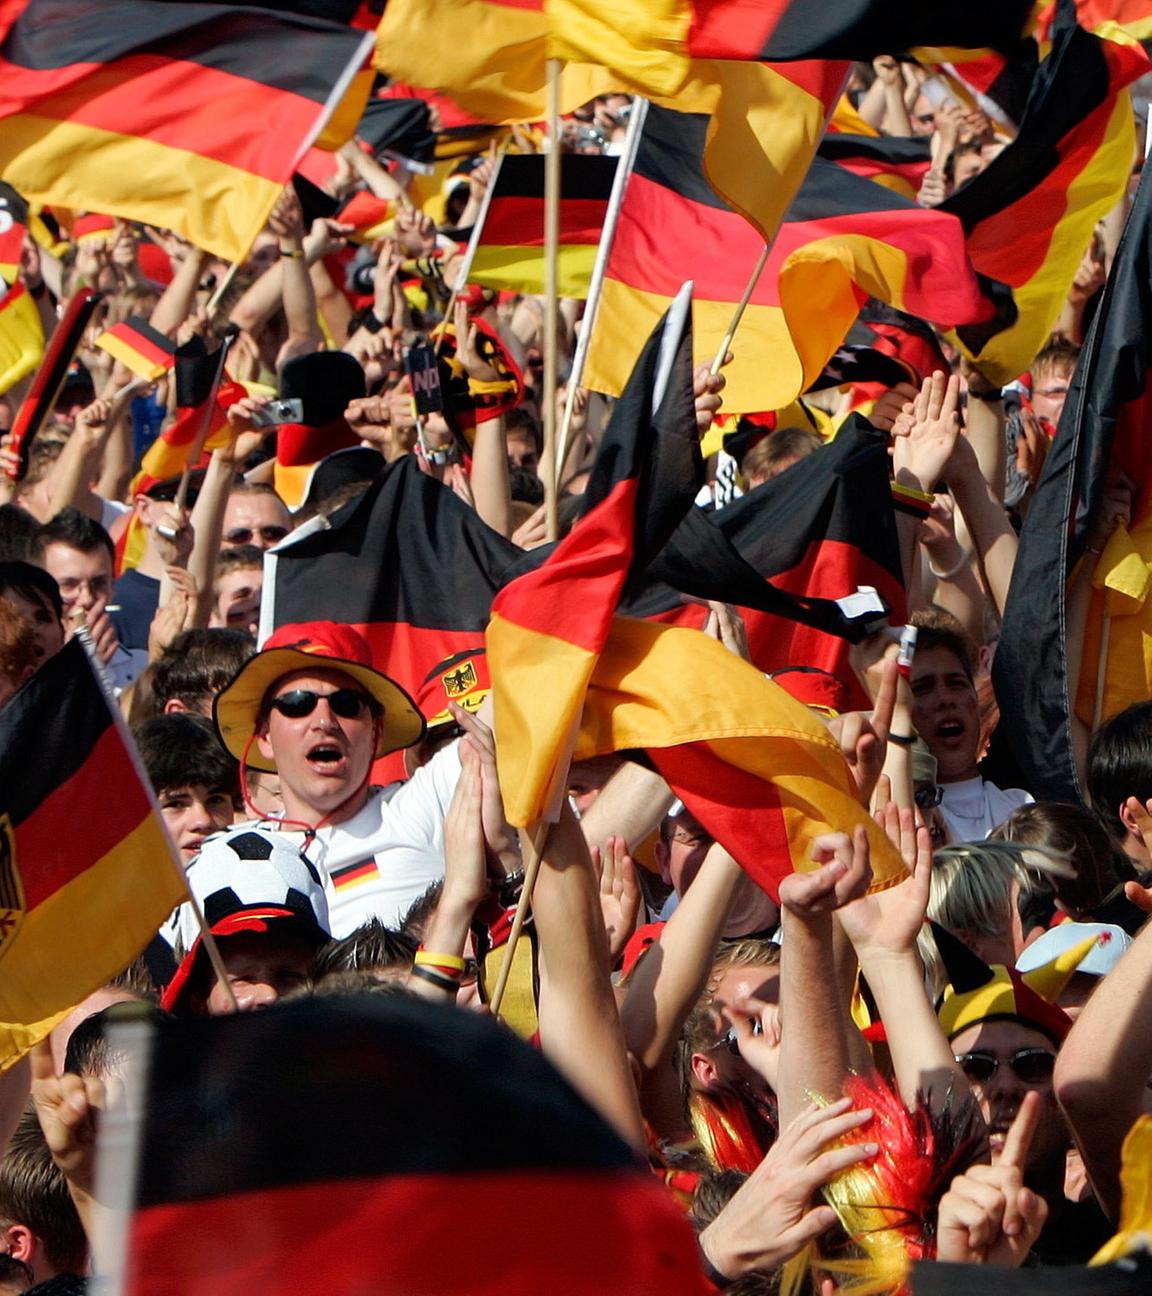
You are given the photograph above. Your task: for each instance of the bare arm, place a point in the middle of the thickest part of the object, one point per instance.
(579, 1026)
(633, 802)
(179, 298)
(1103, 1068)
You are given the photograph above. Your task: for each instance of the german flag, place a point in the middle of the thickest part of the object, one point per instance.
(149, 115)
(1102, 436)
(843, 240)
(13, 227)
(787, 552)
(21, 335)
(571, 680)
(143, 350)
(57, 360)
(352, 1166)
(896, 163)
(427, 593)
(508, 250)
(1030, 214)
(93, 227)
(203, 398)
(1103, 17)
(86, 865)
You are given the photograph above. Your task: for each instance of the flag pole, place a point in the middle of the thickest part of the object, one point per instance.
(197, 447)
(534, 843)
(1101, 668)
(738, 314)
(551, 473)
(221, 288)
(611, 217)
(473, 243)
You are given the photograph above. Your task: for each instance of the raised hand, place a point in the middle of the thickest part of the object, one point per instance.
(888, 922)
(67, 1107)
(987, 1216)
(771, 1217)
(619, 893)
(926, 431)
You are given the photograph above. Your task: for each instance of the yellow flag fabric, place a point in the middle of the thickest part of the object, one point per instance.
(21, 336)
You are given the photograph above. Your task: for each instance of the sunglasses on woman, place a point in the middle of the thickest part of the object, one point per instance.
(1031, 1065)
(345, 703)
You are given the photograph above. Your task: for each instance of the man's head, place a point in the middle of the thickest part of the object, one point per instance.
(38, 1222)
(772, 454)
(238, 587)
(255, 515)
(195, 780)
(1005, 1037)
(312, 708)
(1119, 768)
(523, 438)
(681, 850)
(265, 905)
(77, 551)
(196, 665)
(35, 596)
(1052, 372)
(945, 708)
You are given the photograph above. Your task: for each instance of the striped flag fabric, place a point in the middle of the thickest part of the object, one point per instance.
(81, 870)
(368, 215)
(508, 250)
(143, 350)
(350, 1167)
(1029, 215)
(21, 335)
(187, 117)
(573, 680)
(203, 397)
(896, 162)
(843, 240)
(1102, 437)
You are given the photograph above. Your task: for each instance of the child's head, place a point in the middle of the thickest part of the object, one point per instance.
(195, 780)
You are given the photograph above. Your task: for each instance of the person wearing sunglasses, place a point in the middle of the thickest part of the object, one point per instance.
(313, 709)
(1005, 1037)
(254, 515)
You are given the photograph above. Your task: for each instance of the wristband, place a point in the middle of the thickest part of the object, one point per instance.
(715, 1277)
(902, 740)
(296, 254)
(909, 500)
(988, 397)
(444, 961)
(496, 387)
(434, 978)
(957, 566)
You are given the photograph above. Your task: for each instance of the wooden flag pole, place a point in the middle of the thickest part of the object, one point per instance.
(741, 306)
(197, 446)
(551, 474)
(221, 288)
(533, 843)
(1101, 668)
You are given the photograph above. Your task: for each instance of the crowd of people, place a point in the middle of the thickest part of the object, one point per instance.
(830, 1083)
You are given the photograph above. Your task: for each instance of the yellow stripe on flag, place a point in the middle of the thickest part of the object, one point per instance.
(217, 207)
(521, 269)
(98, 923)
(128, 356)
(21, 336)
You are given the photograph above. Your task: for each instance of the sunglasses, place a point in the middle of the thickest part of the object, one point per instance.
(1031, 1065)
(243, 535)
(731, 1041)
(929, 796)
(345, 703)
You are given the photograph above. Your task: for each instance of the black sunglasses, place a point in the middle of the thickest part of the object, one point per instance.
(243, 535)
(1031, 1065)
(928, 796)
(345, 703)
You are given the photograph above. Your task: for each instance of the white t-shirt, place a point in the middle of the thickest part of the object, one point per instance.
(973, 807)
(373, 865)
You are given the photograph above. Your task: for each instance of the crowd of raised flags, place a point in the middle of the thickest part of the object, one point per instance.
(656, 472)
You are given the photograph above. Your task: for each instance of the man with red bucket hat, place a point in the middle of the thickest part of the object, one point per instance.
(313, 709)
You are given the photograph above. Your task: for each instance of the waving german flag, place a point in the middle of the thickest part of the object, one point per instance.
(86, 865)
(21, 335)
(571, 679)
(508, 251)
(13, 226)
(843, 239)
(189, 117)
(1030, 214)
(203, 397)
(143, 350)
(896, 163)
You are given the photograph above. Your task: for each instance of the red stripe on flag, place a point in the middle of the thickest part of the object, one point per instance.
(141, 344)
(519, 222)
(387, 1235)
(164, 101)
(80, 821)
(733, 29)
(573, 596)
